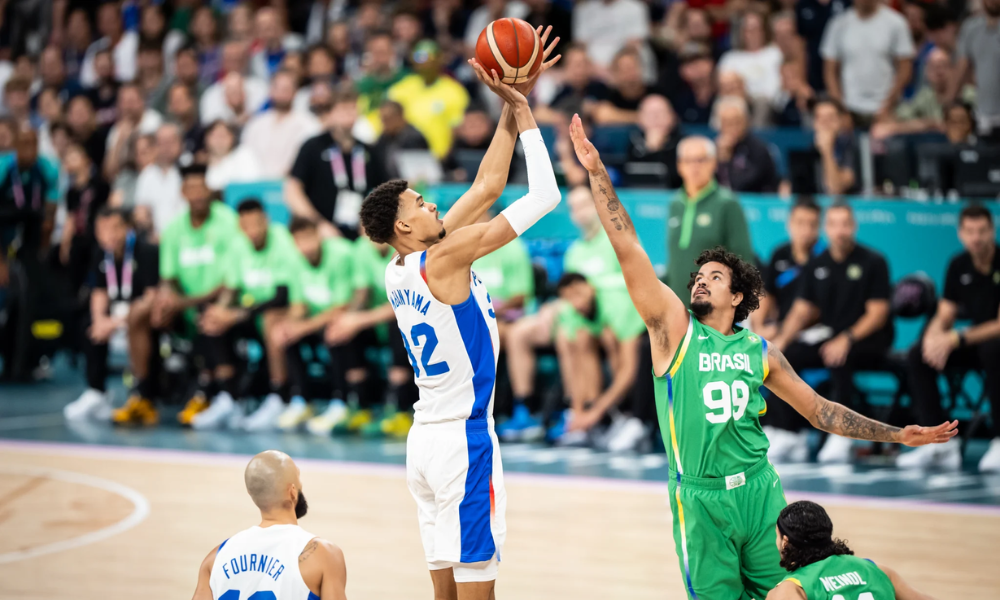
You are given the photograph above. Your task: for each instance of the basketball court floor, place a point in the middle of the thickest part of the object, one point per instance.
(92, 512)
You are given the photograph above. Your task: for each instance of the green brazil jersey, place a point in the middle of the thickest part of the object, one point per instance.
(507, 271)
(843, 577)
(595, 259)
(194, 257)
(616, 312)
(328, 284)
(370, 271)
(257, 274)
(709, 402)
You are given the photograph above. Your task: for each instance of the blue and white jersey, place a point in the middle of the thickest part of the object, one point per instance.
(453, 349)
(261, 563)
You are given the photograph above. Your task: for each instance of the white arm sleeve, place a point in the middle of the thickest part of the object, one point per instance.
(543, 192)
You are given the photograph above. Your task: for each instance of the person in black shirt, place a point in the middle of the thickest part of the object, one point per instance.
(25, 212)
(124, 272)
(846, 289)
(397, 135)
(745, 162)
(87, 194)
(333, 172)
(694, 98)
(578, 84)
(833, 165)
(781, 277)
(971, 292)
(104, 95)
(652, 150)
(84, 129)
(619, 104)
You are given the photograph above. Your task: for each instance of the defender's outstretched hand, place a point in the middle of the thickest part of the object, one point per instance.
(585, 150)
(915, 435)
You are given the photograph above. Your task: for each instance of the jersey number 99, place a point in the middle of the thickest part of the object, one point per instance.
(730, 400)
(423, 331)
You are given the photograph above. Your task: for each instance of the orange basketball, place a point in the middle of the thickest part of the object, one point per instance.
(511, 48)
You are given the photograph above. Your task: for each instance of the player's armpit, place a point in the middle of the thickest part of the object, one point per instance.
(786, 590)
(903, 590)
(203, 591)
(323, 569)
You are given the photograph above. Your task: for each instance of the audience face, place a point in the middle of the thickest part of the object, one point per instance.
(151, 23)
(803, 227)
(232, 87)
(627, 71)
(186, 67)
(915, 15)
(282, 92)
(379, 55)
(785, 36)
(992, 8)
(733, 122)
(368, 16)
(581, 296)
(392, 118)
(695, 163)
(26, 146)
(957, 125)
(24, 67)
(866, 6)
(196, 192)
(60, 141)
(977, 235)
(320, 97)
(576, 68)
(309, 242)
(840, 229)
(293, 64)
(268, 28)
(338, 38)
(581, 208)
(656, 114)
(104, 66)
(78, 29)
(203, 26)
(17, 102)
(697, 72)
(80, 116)
(111, 232)
(475, 128)
(168, 145)
(76, 161)
(319, 65)
(406, 29)
(51, 66)
(145, 152)
(731, 84)
(239, 25)
(109, 21)
(180, 104)
(754, 33)
(826, 118)
(697, 27)
(130, 104)
(50, 107)
(234, 57)
(253, 224)
(150, 63)
(343, 115)
(219, 140)
(937, 70)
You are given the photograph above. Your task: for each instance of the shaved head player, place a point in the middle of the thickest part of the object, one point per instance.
(446, 318)
(724, 495)
(276, 560)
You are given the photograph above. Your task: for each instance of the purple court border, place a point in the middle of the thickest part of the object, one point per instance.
(195, 457)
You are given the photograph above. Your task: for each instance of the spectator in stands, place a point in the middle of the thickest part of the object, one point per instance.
(320, 64)
(811, 19)
(124, 45)
(205, 36)
(576, 85)
(942, 27)
(652, 151)
(141, 154)
(17, 102)
(782, 275)
(182, 110)
(397, 135)
(239, 23)
(791, 106)
(620, 104)
(694, 98)
(133, 119)
(104, 94)
(193, 248)
(685, 25)
(158, 197)
(553, 15)
(472, 139)
(979, 55)
(78, 39)
(380, 71)
(227, 161)
(125, 273)
(53, 75)
(151, 78)
(786, 38)
(333, 171)
(702, 215)
(846, 289)
(50, 111)
(25, 193)
(234, 98)
(432, 101)
(971, 292)
(186, 70)
(960, 124)
(915, 12)
(508, 274)
(276, 134)
(745, 162)
(867, 60)
(837, 171)
(407, 29)
(273, 43)
(756, 59)
(83, 128)
(607, 26)
(87, 194)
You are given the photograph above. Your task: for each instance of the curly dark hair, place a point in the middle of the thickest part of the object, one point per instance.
(810, 535)
(745, 279)
(380, 209)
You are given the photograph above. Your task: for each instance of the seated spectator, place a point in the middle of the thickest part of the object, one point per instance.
(125, 273)
(158, 194)
(346, 61)
(652, 150)
(273, 43)
(397, 135)
(380, 71)
(756, 60)
(925, 110)
(607, 26)
(183, 110)
(87, 194)
(867, 60)
(959, 124)
(832, 167)
(185, 70)
(846, 289)
(276, 134)
(791, 106)
(694, 98)
(971, 292)
(104, 93)
(620, 104)
(234, 99)
(254, 298)
(239, 23)
(333, 171)
(17, 102)
(745, 162)
(26, 205)
(976, 53)
(787, 39)
(613, 326)
(133, 119)
(204, 34)
(472, 139)
(575, 86)
(78, 39)
(781, 276)
(50, 111)
(318, 69)
(432, 101)
(227, 162)
(193, 252)
(122, 45)
(141, 154)
(731, 85)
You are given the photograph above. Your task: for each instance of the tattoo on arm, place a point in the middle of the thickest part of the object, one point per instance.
(308, 550)
(619, 216)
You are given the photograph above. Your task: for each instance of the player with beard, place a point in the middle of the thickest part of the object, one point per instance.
(277, 558)
(707, 374)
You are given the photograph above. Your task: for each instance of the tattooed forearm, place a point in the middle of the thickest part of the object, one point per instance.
(604, 191)
(835, 418)
(308, 550)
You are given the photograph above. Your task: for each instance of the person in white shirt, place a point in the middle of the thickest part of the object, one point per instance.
(227, 162)
(133, 117)
(298, 564)
(274, 136)
(234, 98)
(605, 26)
(756, 60)
(158, 196)
(124, 46)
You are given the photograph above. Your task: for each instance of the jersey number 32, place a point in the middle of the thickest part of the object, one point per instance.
(424, 335)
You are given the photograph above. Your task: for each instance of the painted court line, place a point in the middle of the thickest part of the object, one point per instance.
(138, 515)
(156, 455)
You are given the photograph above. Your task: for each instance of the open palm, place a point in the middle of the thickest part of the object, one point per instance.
(585, 151)
(915, 435)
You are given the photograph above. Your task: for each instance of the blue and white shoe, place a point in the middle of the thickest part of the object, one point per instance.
(520, 427)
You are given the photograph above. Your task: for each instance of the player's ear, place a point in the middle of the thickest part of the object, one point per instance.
(737, 298)
(402, 227)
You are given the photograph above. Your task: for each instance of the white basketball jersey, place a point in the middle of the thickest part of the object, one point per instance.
(453, 349)
(261, 564)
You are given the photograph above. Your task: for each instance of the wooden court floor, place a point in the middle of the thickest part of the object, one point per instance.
(567, 538)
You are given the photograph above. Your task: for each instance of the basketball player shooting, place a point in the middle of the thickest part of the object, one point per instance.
(724, 495)
(446, 318)
(277, 559)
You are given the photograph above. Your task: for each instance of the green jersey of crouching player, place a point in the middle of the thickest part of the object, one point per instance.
(724, 495)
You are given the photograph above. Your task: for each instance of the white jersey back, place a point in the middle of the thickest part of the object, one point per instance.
(453, 349)
(261, 564)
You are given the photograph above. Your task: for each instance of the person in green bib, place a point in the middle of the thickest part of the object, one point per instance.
(192, 251)
(822, 567)
(707, 373)
(257, 269)
(508, 275)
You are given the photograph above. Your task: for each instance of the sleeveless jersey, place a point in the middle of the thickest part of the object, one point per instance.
(709, 403)
(843, 577)
(453, 348)
(261, 563)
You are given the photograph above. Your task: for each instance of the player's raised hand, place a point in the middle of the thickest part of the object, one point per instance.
(585, 150)
(525, 87)
(492, 81)
(915, 435)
